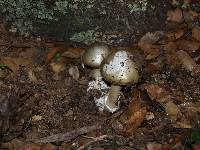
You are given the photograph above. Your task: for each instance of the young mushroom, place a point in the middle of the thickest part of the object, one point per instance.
(118, 68)
(93, 58)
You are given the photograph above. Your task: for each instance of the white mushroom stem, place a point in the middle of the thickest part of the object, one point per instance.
(96, 74)
(97, 82)
(113, 96)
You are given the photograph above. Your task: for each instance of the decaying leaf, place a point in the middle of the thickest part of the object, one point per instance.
(154, 146)
(189, 46)
(189, 16)
(132, 118)
(15, 63)
(172, 58)
(73, 52)
(57, 67)
(51, 55)
(196, 33)
(179, 120)
(174, 35)
(187, 62)
(74, 72)
(65, 50)
(165, 99)
(146, 44)
(32, 76)
(36, 118)
(175, 15)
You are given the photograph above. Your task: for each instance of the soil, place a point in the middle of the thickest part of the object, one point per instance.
(59, 102)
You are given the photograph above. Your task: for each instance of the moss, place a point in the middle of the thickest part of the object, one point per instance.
(137, 6)
(91, 36)
(22, 13)
(87, 37)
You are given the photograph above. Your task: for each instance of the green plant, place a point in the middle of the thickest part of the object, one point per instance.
(2, 66)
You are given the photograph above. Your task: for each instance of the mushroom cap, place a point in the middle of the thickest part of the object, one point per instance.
(95, 54)
(119, 68)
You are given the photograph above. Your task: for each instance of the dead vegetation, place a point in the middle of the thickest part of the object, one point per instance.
(44, 102)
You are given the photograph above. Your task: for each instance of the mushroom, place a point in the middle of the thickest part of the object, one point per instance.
(93, 58)
(119, 68)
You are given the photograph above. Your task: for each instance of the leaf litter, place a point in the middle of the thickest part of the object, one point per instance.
(44, 95)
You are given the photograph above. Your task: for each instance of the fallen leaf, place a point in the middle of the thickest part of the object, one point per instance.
(14, 144)
(151, 38)
(189, 16)
(135, 121)
(187, 62)
(132, 118)
(149, 116)
(15, 63)
(165, 99)
(65, 50)
(196, 33)
(172, 109)
(73, 52)
(189, 46)
(51, 55)
(174, 35)
(196, 146)
(32, 76)
(36, 118)
(172, 57)
(57, 67)
(175, 15)
(74, 72)
(146, 44)
(49, 147)
(154, 146)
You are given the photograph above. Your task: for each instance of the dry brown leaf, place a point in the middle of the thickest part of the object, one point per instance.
(189, 46)
(73, 52)
(66, 51)
(187, 62)
(36, 118)
(175, 15)
(133, 116)
(146, 44)
(14, 144)
(172, 109)
(151, 38)
(196, 146)
(57, 67)
(154, 146)
(172, 57)
(185, 124)
(135, 121)
(174, 35)
(15, 63)
(133, 106)
(51, 55)
(196, 33)
(165, 99)
(74, 72)
(32, 76)
(189, 15)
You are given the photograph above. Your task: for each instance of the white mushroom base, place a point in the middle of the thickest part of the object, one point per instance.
(100, 85)
(101, 104)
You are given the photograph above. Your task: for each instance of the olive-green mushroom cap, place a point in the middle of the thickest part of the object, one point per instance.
(119, 68)
(95, 54)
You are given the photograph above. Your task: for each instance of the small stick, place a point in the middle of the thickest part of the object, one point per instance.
(96, 139)
(66, 136)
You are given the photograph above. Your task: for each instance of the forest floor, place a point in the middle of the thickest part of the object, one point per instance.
(44, 103)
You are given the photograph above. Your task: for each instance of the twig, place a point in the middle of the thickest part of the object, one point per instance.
(95, 140)
(66, 136)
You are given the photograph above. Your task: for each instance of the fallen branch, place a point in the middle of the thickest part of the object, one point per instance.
(66, 136)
